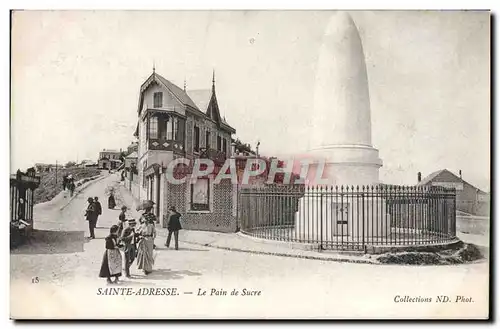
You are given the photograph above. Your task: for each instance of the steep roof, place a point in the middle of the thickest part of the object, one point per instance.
(175, 90)
(178, 92)
(201, 98)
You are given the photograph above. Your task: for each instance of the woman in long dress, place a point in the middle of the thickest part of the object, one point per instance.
(147, 234)
(111, 265)
(111, 201)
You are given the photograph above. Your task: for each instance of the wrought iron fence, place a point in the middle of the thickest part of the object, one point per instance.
(349, 217)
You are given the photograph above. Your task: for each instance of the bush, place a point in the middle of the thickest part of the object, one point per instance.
(466, 253)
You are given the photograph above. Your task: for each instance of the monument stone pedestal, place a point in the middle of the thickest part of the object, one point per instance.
(327, 218)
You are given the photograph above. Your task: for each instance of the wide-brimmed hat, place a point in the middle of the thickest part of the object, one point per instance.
(124, 208)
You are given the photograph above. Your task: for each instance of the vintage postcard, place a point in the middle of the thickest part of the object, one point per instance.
(246, 164)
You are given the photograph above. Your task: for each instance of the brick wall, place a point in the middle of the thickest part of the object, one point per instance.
(220, 219)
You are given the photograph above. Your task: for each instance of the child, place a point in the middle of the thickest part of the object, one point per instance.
(111, 265)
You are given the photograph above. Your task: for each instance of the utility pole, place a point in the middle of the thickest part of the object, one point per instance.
(56, 172)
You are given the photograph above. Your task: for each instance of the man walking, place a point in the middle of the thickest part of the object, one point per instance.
(98, 209)
(174, 225)
(91, 216)
(65, 182)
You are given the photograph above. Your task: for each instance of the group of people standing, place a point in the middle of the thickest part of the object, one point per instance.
(69, 184)
(94, 210)
(136, 243)
(92, 213)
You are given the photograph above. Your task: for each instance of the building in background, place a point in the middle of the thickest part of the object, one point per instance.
(470, 199)
(109, 159)
(131, 160)
(87, 164)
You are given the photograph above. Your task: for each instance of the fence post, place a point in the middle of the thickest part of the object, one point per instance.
(321, 219)
(363, 219)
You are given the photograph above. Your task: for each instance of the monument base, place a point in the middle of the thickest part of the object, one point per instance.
(349, 164)
(330, 217)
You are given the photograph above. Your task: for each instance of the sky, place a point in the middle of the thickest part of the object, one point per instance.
(76, 77)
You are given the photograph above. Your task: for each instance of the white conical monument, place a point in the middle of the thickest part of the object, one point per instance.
(341, 133)
(341, 137)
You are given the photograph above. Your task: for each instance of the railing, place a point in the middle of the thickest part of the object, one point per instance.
(166, 145)
(349, 218)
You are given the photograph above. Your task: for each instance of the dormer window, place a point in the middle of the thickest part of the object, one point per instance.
(158, 100)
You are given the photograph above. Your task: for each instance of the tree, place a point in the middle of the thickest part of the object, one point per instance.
(70, 164)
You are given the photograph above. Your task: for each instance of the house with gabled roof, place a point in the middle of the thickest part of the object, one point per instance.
(175, 123)
(470, 199)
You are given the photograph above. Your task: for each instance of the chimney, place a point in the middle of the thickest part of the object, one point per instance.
(419, 177)
(460, 173)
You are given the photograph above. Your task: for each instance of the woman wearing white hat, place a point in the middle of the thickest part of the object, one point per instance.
(147, 235)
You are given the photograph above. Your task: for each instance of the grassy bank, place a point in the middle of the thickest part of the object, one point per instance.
(460, 254)
(48, 188)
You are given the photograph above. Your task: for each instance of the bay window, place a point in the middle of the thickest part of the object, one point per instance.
(169, 131)
(153, 127)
